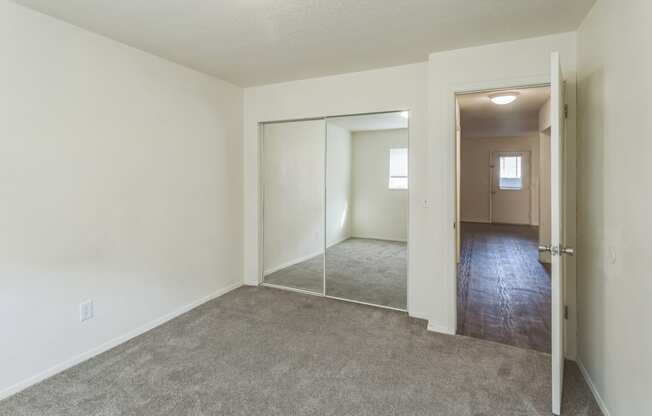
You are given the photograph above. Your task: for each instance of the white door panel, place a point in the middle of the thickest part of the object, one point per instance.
(556, 235)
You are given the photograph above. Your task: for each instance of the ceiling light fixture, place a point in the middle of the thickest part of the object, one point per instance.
(503, 98)
(405, 114)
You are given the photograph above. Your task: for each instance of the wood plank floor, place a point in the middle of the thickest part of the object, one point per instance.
(503, 290)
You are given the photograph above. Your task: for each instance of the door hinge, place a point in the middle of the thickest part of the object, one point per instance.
(565, 110)
(566, 312)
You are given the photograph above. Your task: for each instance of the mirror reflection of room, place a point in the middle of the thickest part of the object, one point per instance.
(367, 208)
(338, 186)
(293, 204)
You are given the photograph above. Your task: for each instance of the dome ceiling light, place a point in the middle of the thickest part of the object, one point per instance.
(502, 98)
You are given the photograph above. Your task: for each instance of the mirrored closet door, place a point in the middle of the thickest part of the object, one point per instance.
(293, 204)
(367, 208)
(335, 207)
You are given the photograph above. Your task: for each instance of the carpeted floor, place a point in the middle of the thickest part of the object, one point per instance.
(263, 351)
(503, 291)
(366, 270)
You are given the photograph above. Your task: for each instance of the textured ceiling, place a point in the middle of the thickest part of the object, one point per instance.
(482, 118)
(250, 42)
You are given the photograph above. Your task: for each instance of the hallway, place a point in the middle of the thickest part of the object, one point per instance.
(503, 290)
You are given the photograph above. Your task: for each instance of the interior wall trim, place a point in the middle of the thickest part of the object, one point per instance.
(435, 327)
(587, 377)
(475, 221)
(379, 239)
(291, 263)
(359, 302)
(302, 258)
(22, 385)
(341, 240)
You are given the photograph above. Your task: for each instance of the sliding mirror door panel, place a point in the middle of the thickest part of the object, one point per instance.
(367, 208)
(293, 204)
(337, 186)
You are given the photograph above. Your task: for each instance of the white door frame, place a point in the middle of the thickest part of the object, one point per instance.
(542, 80)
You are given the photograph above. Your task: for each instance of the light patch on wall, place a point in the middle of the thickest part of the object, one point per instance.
(345, 215)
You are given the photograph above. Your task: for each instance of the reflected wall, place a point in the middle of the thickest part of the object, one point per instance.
(293, 204)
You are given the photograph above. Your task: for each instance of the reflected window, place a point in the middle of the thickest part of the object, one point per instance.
(398, 168)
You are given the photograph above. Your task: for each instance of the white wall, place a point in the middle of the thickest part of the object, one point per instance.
(388, 89)
(428, 91)
(338, 184)
(614, 222)
(475, 178)
(502, 65)
(120, 182)
(378, 212)
(293, 181)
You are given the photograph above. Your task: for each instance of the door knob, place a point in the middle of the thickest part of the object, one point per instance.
(545, 249)
(569, 251)
(557, 250)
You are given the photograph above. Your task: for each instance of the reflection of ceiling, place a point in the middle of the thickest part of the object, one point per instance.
(384, 121)
(482, 118)
(253, 42)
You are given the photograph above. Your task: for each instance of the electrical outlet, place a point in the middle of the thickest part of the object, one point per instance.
(86, 310)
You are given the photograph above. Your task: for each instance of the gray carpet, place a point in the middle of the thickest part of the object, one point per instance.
(307, 275)
(366, 270)
(262, 351)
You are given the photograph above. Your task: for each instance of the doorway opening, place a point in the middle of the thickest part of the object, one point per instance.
(503, 212)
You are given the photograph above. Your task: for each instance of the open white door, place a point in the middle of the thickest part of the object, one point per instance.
(458, 187)
(556, 246)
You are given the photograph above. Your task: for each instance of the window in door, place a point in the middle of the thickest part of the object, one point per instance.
(398, 168)
(511, 174)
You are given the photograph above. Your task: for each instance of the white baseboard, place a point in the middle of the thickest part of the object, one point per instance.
(22, 385)
(418, 315)
(476, 221)
(368, 237)
(594, 390)
(435, 327)
(291, 263)
(341, 240)
(301, 259)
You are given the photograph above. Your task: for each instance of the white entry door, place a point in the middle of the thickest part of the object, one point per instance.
(556, 247)
(510, 194)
